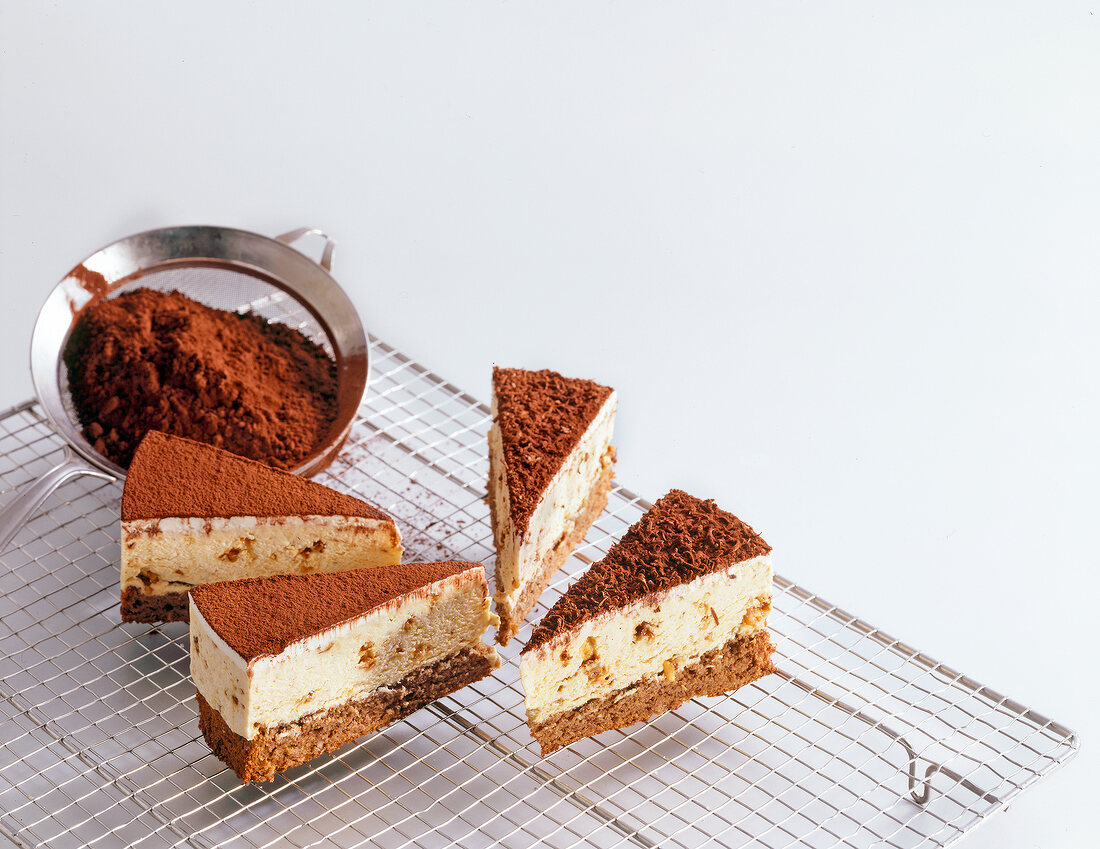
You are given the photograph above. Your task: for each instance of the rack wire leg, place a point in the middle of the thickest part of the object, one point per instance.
(920, 787)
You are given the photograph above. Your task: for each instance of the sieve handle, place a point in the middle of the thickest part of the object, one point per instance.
(27, 501)
(295, 235)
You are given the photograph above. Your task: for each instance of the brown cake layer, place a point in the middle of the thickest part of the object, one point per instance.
(137, 606)
(173, 476)
(680, 539)
(262, 616)
(719, 671)
(293, 743)
(511, 622)
(542, 416)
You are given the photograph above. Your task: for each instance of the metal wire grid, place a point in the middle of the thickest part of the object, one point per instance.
(859, 740)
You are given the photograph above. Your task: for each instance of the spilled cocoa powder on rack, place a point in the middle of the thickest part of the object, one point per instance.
(159, 360)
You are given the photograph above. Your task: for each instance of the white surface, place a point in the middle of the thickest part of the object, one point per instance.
(841, 265)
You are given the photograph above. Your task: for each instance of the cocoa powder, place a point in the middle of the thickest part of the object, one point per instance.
(173, 476)
(150, 360)
(262, 616)
(542, 416)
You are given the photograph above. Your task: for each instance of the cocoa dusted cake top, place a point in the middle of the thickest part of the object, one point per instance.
(174, 476)
(262, 616)
(680, 539)
(542, 416)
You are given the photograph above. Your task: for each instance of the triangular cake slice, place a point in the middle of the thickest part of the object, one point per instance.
(288, 667)
(550, 466)
(677, 609)
(193, 514)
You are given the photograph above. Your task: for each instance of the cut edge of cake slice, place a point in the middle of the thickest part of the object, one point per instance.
(287, 667)
(194, 514)
(677, 609)
(550, 467)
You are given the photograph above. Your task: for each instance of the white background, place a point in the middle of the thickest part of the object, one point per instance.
(841, 263)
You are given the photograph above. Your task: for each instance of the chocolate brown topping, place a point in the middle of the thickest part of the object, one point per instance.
(680, 539)
(262, 616)
(173, 476)
(542, 416)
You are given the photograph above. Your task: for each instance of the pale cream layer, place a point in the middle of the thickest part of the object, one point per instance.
(345, 663)
(520, 556)
(174, 554)
(656, 636)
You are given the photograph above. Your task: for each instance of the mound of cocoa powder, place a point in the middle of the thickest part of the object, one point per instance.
(160, 360)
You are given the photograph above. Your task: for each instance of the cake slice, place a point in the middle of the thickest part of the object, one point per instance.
(550, 466)
(193, 514)
(289, 667)
(678, 608)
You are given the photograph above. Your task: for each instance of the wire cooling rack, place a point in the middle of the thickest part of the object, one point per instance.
(859, 740)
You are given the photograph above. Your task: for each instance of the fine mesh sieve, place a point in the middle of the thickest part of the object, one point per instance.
(223, 268)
